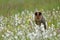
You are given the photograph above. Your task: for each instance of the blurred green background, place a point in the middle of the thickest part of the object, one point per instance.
(8, 6)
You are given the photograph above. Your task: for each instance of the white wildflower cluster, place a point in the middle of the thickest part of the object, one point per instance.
(21, 26)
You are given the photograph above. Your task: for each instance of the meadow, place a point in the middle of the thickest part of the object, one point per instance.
(21, 26)
(17, 20)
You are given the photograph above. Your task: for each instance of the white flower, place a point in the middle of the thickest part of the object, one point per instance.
(16, 17)
(53, 9)
(27, 11)
(7, 34)
(51, 35)
(16, 24)
(1, 18)
(1, 28)
(2, 35)
(54, 33)
(42, 27)
(19, 33)
(46, 36)
(53, 12)
(30, 35)
(22, 12)
(58, 35)
(16, 37)
(56, 11)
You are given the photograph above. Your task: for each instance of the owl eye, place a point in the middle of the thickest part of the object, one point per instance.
(36, 14)
(40, 13)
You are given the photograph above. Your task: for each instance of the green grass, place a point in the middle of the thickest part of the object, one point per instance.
(17, 22)
(6, 6)
(24, 23)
